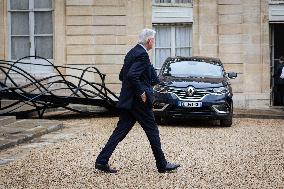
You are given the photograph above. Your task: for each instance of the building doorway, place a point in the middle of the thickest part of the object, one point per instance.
(277, 50)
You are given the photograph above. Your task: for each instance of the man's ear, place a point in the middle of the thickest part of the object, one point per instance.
(148, 41)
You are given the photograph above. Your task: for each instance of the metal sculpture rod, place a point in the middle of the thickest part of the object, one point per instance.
(56, 89)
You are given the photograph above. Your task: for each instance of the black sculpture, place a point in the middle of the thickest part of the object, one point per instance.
(41, 92)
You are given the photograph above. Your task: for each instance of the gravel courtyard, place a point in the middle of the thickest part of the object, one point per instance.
(250, 154)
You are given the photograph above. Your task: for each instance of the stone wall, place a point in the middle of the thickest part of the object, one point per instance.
(92, 33)
(59, 33)
(2, 29)
(3, 40)
(100, 32)
(237, 31)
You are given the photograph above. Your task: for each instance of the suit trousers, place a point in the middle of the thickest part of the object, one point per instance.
(145, 117)
(280, 94)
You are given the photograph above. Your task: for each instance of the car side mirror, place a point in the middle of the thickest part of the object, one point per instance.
(232, 75)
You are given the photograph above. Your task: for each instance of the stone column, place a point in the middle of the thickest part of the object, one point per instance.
(256, 53)
(59, 33)
(3, 33)
(205, 28)
(230, 30)
(265, 47)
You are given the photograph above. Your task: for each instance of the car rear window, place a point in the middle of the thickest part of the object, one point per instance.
(192, 69)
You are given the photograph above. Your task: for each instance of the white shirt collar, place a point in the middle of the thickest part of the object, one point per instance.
(143, 47)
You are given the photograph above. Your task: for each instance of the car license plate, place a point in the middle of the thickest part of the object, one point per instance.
(190, 104)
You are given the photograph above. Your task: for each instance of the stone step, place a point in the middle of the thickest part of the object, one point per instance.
(17, 108)
(265, 113)
(5, 120)
(25, 130)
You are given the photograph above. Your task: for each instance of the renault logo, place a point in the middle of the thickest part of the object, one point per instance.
(190, 91)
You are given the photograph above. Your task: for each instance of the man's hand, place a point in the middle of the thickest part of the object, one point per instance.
(144, 97)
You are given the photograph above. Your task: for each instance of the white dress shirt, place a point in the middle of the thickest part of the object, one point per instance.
(282, 74)
(143, 47)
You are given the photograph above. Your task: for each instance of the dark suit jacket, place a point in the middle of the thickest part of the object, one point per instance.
(137, 76)
(278, 71)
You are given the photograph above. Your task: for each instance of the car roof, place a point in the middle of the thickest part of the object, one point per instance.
(197, 58)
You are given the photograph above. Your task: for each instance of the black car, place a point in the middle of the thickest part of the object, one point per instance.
(194, 87)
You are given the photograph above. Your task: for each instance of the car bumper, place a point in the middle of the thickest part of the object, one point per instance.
(211, 108)
(190, 113)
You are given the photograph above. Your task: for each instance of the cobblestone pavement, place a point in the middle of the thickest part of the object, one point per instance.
(250, 154)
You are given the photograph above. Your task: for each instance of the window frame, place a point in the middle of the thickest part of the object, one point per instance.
(173, 2)
(32, 36)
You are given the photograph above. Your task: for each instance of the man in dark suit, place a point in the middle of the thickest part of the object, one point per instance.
(135, 103)
(279, 81)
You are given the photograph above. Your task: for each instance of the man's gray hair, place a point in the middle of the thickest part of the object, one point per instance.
(145, 35)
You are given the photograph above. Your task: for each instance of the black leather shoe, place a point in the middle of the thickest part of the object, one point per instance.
(169, 167)
(105, 168)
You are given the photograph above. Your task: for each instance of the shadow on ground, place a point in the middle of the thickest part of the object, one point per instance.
(69, 115)
(197, 123)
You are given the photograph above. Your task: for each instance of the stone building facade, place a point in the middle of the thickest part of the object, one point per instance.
(237, 32)
(100, 32)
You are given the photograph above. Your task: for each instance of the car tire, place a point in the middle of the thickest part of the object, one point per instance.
(161, 120)
(158, 120)
(228, 121)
